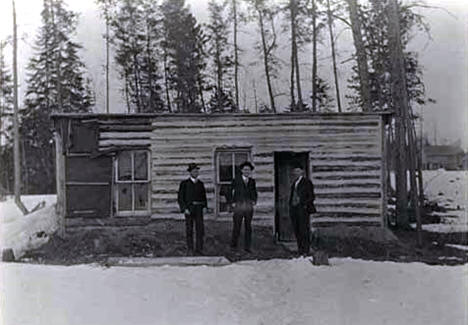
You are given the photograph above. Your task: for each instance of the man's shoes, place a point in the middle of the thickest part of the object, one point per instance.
(199, 252)
(248, 250)
(189, 252)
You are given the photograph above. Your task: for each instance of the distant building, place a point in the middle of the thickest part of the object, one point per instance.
(449, 157)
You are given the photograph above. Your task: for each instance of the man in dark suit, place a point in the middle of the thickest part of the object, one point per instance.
(192, 200)
(244, 198)
(301, 205)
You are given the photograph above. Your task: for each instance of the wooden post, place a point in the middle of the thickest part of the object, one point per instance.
(383, 176)
(60, 183)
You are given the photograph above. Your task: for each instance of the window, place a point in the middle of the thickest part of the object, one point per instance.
(227, 168)
(132, 183)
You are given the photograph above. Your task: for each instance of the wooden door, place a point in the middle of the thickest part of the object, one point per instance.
(283, 180)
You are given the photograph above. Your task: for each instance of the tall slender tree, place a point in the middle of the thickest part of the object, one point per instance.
(219, 50)
(6, 121)
(265, 13)
(183, 46)
(333, 53)
(56, 83)
(361, 55)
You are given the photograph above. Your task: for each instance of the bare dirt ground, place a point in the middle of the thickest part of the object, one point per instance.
(164, 238)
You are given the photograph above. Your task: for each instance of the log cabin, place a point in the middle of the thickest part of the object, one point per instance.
(117, 170)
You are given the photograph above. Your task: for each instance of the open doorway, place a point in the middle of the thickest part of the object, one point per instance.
(283, 180)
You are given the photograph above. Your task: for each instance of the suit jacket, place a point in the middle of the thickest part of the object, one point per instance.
(189, 192)
(305, 191)
(243, 193)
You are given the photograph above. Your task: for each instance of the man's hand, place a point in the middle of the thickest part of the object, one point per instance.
(187, 211)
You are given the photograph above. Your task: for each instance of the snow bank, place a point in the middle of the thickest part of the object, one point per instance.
(253, 292)
(21, 232)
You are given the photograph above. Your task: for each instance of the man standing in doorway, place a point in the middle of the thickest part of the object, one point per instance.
(244, 198)
(192, 201)
(301, 205)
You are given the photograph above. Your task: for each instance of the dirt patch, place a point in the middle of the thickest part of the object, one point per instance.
(163, 238)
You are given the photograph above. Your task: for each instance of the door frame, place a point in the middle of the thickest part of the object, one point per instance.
(276, 157)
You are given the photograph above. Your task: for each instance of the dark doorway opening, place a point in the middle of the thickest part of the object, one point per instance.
(284, 162)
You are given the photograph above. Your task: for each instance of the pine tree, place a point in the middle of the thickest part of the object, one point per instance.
(136, 39)
(56, 83)
(6, 112)
(220, 54)
(183, 45)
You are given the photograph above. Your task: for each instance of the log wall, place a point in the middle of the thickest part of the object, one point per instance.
(345, 154)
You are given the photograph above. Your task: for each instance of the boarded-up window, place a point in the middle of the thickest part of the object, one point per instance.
(227, 168)
(132, 194)
(82, 137)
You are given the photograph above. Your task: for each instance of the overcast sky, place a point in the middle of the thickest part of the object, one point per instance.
(444, 58)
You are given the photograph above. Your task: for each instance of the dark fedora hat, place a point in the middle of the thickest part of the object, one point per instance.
(192, 166)
(247, 163)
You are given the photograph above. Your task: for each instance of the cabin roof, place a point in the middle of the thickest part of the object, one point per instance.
(213, 115)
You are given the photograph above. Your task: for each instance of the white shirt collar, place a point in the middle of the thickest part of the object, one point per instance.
(298, 180)
(193, 179)
(246, 179)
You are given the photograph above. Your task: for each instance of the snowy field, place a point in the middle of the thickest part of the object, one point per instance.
(450, 190)
(252, 292)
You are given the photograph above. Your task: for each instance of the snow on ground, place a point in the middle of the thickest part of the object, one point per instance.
(450, 190)
(20, 232)
(250, 292)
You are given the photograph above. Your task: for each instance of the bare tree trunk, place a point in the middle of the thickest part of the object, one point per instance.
(266, 53)
(314, 56)
(254, 87)
(414, 187)
(236, 54)
(293, 61)
(400, 104)
(58, 63)
(332, 42)
(166, 81)
(16, 149)
(107, 55)
(361, 55)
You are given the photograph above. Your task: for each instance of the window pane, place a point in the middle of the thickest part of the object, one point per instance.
(223, 198)
(141, 165)
(141, 196)
(240, 157)
(125, 197)
(225, 166)
(125, 166)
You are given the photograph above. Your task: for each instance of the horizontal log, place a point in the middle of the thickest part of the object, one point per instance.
(359, 222)
(329, 175)
(125, 121)
(187, 124)
(345, 209)
(339, 182)
(348, 195)
(125, 128)
(343, 168)
(265, 139)
(124, 135)
(124, 142)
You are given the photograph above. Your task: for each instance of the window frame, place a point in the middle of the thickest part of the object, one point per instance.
(218, 182)
(132, 182)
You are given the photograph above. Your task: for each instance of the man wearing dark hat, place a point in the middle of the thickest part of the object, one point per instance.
(244, 198)
(301, 205)
(192, 201)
